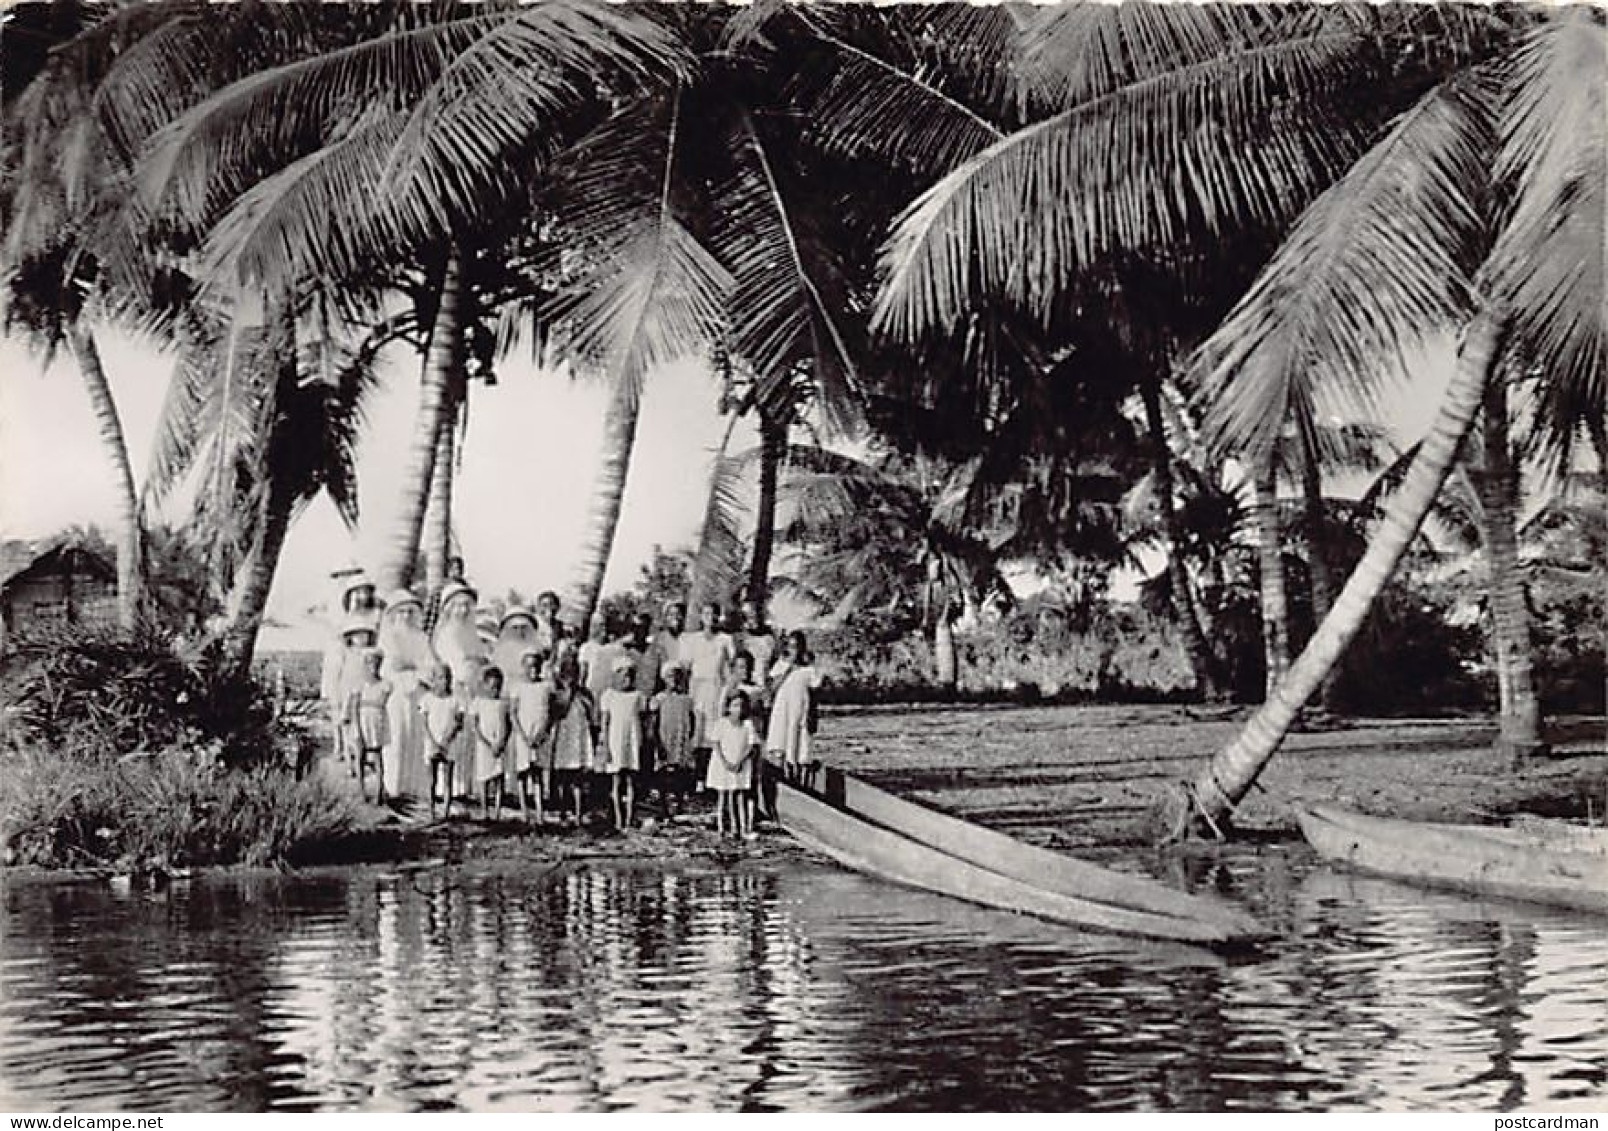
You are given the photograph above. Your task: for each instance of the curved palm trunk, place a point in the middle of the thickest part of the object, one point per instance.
(1520, 712)
(1321, 580)
(443, 363)
(619, 437)
(1231, 773)
(254, 579)
(130, 545)
(1202, 659)
(1270, 571)
(438, 516)
(773, 443)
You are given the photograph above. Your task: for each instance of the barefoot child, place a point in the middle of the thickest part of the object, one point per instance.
(790, 734)
(531, 706)
(734, 747)
(676, 727)
(442, 719)
(622, 710)
(488, 714)
(365, 711)
(571, 721)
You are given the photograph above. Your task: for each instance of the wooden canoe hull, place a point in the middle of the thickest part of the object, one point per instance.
(1562, 870)
(1038, 867)
(868, 846)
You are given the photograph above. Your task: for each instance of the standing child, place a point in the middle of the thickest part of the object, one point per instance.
(442, 718)
(488, 714)
(531, 704)
(790, 734)
(365, 711)
(676, 727)
(622, 710)
(734, 747)
(572, 721)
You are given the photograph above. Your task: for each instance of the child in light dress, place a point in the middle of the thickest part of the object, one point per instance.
(597, 657)
(365, 716)
(790, 735)
(733, 751)
(532, 764)
(573, 722)
(676, 729)
(442, 719)
(622, 710)
(488, 715)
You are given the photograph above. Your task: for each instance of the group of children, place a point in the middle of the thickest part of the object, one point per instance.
(677, 709)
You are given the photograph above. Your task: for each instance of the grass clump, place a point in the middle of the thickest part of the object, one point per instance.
(174, 809)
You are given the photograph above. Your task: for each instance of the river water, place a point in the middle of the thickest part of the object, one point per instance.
(779, 986)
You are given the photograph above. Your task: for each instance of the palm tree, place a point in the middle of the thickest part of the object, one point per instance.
(1484, 203)
(250, 425)
(886, 533)
(391, 134)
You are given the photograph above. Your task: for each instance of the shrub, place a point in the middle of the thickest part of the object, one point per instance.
(173, 809)
(91, 692)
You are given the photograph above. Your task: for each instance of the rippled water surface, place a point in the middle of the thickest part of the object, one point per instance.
(643, 987)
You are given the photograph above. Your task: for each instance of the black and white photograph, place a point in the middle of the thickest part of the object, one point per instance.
(803, 556)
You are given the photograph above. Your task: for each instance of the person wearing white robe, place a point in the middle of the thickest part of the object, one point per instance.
(407, 661)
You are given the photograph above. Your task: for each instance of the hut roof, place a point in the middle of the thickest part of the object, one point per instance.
(18, 558)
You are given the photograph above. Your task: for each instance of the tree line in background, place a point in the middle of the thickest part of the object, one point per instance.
(1090, 285)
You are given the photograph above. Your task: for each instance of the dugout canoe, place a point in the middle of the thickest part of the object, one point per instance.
(1540, 862)
(872, 831)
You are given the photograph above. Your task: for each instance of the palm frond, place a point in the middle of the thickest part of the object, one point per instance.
(1206, 146)
(893, 109)
(1377, 262)
(1546, 267)
(717, 564)
(649, 292)
(778, 312)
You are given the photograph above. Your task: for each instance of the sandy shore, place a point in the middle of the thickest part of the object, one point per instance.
(1083, 780)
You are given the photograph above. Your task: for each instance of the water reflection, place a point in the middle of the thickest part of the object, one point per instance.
(605, 988)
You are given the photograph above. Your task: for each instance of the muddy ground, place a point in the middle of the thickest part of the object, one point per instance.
(1086, 780)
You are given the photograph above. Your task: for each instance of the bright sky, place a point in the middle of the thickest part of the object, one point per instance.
(523, 492)
(521, 501)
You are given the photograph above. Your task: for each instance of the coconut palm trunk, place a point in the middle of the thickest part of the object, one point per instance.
(1201, 657)
(1235, 768)
(1270, 576)
(444, 361)
(438, 516)
(249, 599)
(1320, 580)
(619, 438)
(772, 445)
(130, 545)
(1520, 713)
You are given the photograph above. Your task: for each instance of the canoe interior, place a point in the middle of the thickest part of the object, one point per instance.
(1467, 858)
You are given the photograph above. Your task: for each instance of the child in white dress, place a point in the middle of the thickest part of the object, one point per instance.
(488, 714)
(442, 719)
(531, 705)
(622, 710)
(790, 735)
(572, 721)
(734, 748)
(365, 714)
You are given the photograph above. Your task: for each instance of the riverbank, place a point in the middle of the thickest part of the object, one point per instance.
(1082, 780)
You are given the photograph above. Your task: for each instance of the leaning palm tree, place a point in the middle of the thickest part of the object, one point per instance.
(252, 427)
(1483, 206)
